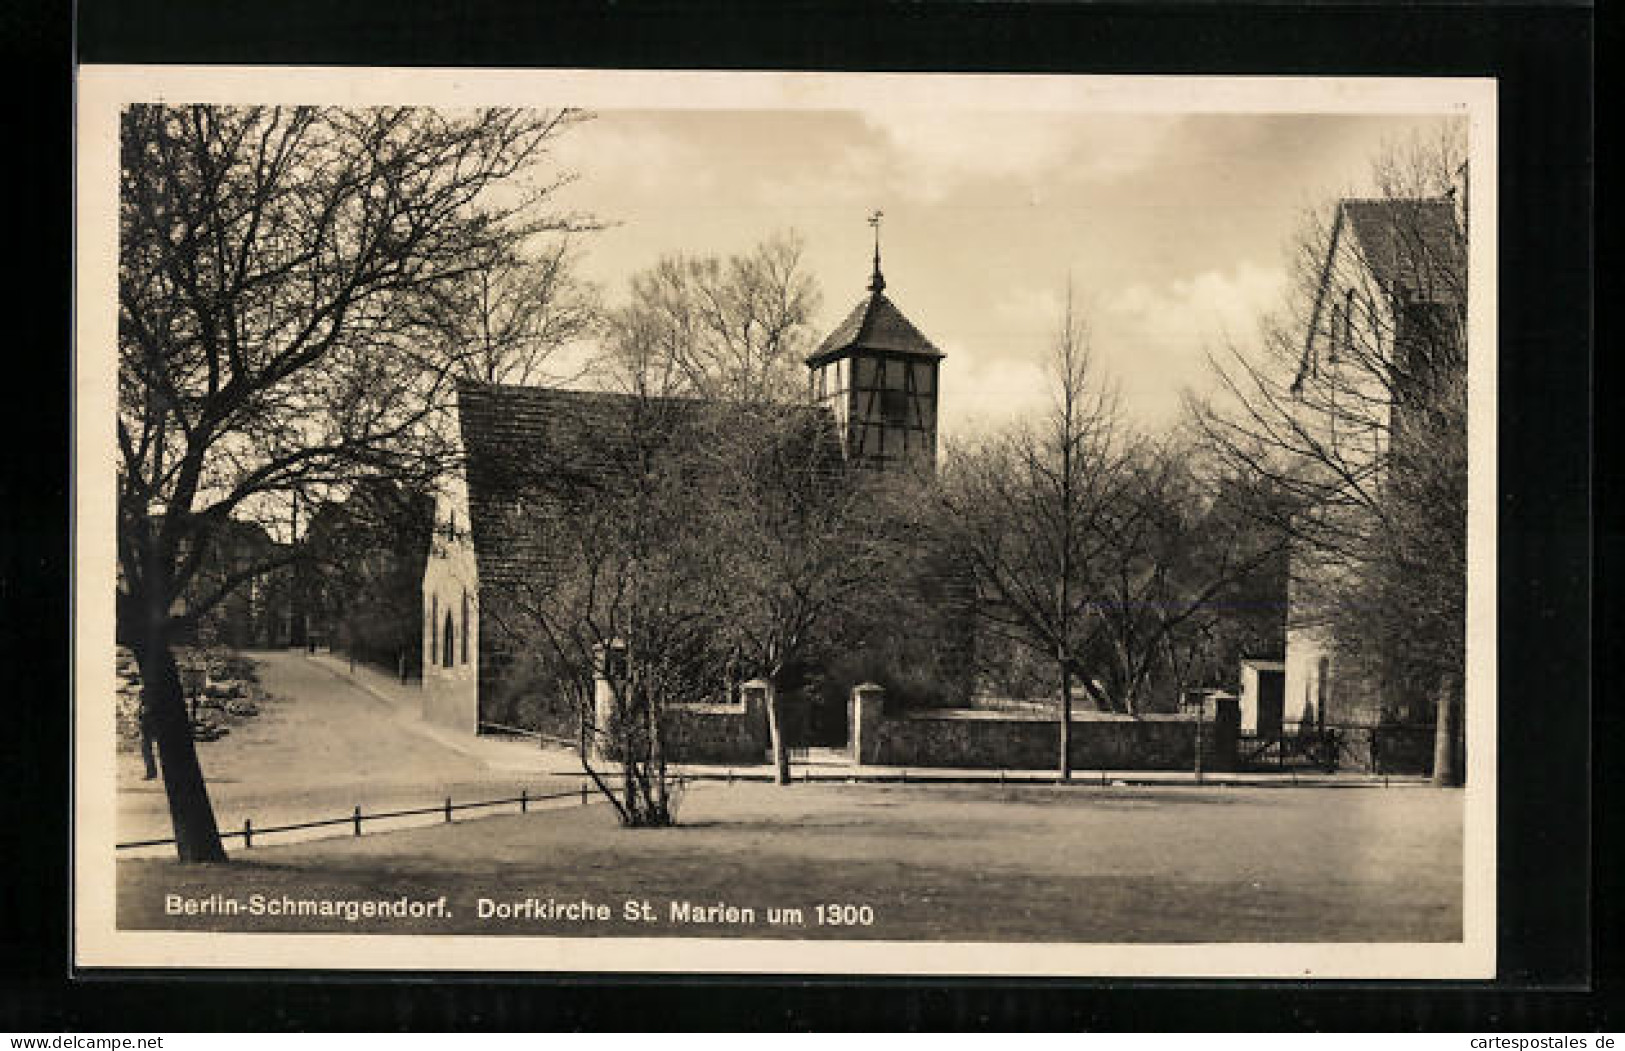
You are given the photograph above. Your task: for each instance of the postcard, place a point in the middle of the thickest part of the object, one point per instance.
(720, 522)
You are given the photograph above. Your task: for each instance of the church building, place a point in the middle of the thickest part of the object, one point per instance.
(875, 376)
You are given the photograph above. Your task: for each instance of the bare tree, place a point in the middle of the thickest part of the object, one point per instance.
(364, 562)
(644, 565)
(800, 541)
(732, 333)
(274, 268)
(1093, 547)
(517, 312)
(1180, 543)
(1222, 539)
(807, 543)
(1036, 511)
(733, 329)
(626, 611)
(1353, 405)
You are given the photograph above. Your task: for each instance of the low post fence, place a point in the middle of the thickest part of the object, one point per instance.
(252, 831)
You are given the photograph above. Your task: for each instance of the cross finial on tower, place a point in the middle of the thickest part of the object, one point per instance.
(876, 281)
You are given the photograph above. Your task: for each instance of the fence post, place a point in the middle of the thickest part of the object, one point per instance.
(583, 793)
(524, 802)
(357, 819)
(248, 833)
(448, 808)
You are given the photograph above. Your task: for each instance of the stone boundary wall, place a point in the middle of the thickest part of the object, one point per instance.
(986, 740)
(718, 733)
(702, 733)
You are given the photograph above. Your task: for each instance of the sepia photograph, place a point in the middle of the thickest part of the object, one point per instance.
(790, 523)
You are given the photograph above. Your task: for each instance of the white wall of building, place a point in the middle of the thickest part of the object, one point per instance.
(1305, 649)
(1251, 690)
(450, 586)
(1355, 332)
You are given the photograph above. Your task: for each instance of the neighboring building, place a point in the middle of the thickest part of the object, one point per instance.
(364, 574)
(1391, 292)
(530, 453)
(1263, 696)
(257, 612)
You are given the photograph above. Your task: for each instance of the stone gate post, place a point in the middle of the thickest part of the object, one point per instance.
(753, 695)
(868, 706)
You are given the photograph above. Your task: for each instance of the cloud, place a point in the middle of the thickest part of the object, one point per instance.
(982, 395)
(1030, 310)
(939, 150)
(637, 158)
(1214, 305)
(1156, 338)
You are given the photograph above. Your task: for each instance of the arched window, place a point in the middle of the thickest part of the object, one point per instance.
(465, 625)
(434, 618)
(448, 650)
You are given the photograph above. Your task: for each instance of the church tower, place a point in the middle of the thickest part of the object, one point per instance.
(878, 374)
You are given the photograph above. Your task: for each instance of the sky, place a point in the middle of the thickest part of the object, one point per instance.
(1173, 230)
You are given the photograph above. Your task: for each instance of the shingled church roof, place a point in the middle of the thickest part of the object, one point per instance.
(874, 324)
(533, 455)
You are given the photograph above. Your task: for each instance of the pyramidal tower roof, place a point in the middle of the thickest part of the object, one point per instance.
(875, 324)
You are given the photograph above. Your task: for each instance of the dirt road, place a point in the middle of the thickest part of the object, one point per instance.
(320, 746)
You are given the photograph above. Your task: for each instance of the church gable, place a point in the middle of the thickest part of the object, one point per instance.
(450, 608)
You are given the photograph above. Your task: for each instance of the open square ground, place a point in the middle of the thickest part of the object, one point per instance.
(959, 863)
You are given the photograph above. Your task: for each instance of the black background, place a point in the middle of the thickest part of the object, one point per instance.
(1558, 971)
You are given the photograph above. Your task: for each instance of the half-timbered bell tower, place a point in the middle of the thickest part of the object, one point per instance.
(878, 374)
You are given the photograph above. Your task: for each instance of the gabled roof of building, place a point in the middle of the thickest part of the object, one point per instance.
(874, 324)
(534, 454)
(514, 438)
(1412, 247)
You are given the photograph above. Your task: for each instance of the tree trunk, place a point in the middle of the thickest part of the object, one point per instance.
(197, 837)
(1447, 770)
(628, 758)
(775, 730)
(1066, 721)
(661, 801)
